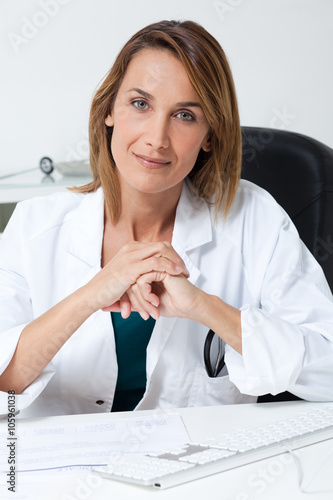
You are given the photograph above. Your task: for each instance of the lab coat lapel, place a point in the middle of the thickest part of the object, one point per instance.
(192, 229)
(85, 245)
(84, 262)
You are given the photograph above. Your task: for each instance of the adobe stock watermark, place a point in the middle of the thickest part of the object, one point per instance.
(80, 151)
(324, 248)
(226, 7)
(84, 487)
(30, 27)
(280, 119)
(266, 475)
(132, 439)
(12, 441)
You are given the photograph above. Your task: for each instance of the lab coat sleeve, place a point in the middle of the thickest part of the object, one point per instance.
(288, 334)
(15, 309)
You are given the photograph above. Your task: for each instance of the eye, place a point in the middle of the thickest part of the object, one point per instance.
(140, 104)
(186, 116)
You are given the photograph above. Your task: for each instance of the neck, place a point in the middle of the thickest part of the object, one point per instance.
(148, 217)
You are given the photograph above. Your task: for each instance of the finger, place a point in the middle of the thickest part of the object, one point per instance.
(168, 252)
(144, 284)
(155, 280)
(119, 306)
(158, 249)
(137, 305)
(144, 306)
(112, 308)
(144, 294)
(158, 264)
(125, 306)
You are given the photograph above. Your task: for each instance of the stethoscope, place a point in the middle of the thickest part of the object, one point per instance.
(219, 363)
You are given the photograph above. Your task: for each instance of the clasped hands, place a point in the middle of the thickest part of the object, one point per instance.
(150, 278)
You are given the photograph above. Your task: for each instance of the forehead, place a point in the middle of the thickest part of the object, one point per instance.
(157, 69)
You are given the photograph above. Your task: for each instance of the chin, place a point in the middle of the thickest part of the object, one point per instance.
(150, 187)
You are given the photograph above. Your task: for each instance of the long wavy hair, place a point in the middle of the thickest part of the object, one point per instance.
(216, 173)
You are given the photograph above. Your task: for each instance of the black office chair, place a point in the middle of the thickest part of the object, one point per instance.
(298, 172)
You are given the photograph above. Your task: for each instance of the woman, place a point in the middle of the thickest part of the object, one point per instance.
(169, 240)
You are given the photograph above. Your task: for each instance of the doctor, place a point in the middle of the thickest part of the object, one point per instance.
(172, 243)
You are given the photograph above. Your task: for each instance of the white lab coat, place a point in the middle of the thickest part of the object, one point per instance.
(253, 260)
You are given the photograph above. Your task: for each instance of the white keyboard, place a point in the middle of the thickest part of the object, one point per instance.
(222, 452)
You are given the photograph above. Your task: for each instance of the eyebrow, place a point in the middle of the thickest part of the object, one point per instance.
(185, 104)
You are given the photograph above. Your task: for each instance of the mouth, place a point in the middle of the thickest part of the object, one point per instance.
(152, 163)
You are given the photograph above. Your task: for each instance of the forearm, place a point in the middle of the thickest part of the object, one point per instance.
(41, 339)
(220, 317)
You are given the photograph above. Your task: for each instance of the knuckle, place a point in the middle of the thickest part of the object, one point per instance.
(130, 246)
(140, 281)
(126, 247)
(155, 262)
(133, 300)
(180, 262)
(161, 246)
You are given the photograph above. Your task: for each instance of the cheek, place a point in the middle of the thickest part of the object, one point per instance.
(190, 147)
(125, 135)
(125, 130)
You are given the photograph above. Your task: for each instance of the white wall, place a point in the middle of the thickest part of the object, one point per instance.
(53, 53)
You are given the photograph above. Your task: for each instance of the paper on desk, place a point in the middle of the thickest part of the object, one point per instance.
(73, 446)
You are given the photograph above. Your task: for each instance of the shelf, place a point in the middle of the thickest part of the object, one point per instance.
(34, 183)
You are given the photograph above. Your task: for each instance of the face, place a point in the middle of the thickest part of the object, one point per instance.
(158, 124)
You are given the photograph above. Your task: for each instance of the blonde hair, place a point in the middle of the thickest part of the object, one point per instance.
(216, 173)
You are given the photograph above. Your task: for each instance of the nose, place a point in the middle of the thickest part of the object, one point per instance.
(157, 133)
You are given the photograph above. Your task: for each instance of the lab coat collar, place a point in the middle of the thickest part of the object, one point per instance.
(87, 229)
(192, 229)
(193, 226)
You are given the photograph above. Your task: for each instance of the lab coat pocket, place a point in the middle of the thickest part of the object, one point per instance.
(207, 391)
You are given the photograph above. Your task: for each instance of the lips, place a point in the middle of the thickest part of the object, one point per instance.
(152, 163)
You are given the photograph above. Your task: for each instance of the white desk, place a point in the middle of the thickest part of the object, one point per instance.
(271, 479)
(34, 183)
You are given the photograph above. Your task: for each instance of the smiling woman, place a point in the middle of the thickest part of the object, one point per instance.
(188, 49)
(172, 243)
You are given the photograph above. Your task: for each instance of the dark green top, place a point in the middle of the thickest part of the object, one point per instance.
(131, 336)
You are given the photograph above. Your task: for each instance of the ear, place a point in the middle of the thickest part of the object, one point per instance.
(206, 145)
(109, 121)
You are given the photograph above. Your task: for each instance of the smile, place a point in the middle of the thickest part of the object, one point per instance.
(151, 163)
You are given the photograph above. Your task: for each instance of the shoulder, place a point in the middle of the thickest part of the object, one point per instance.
(253, 211)
(252, 206)
(255, 221)
(35, 216)
(250, 195)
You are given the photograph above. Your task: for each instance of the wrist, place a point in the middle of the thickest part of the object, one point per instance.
(88, 299)
(223, 319)
(200, 310)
